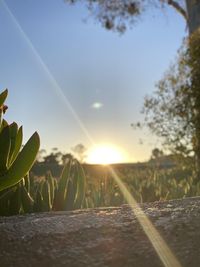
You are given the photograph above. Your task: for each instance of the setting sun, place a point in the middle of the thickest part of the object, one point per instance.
(105, 154)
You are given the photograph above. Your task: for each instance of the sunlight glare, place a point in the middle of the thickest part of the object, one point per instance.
(105, 154)
(162, 249)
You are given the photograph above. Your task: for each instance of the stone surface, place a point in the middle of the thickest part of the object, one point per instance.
(101, 237)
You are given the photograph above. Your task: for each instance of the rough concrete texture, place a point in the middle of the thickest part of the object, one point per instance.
(101, 237)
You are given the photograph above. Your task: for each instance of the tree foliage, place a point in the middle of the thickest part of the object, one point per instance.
(80, 152)
(171, 112)
(156, 153)
(116, 15)
(194, 64)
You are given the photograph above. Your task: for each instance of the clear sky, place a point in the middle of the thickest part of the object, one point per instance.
(74, 82)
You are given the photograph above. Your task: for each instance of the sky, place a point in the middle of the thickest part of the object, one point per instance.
(74, 82)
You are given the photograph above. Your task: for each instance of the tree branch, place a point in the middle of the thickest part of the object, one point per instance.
(179, 8)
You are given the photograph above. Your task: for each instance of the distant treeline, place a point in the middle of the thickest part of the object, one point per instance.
(97, 170)
(55, 161)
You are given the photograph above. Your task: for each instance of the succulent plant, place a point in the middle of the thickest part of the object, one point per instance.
(16, 190)
(14, 161)
(70, 192)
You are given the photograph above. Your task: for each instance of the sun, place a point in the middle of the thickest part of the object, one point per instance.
(105, 154)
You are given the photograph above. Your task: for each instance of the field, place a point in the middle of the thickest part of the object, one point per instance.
(147, 182)
(53, 187)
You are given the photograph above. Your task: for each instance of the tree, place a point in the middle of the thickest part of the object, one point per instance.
(157, 157)
(173, 110)
(169, 111)
(194, 64)
(66, 158)
(117, 14)
(40, 155)
(193, 15)
(156, 153)
(79, 150)
(53, 157)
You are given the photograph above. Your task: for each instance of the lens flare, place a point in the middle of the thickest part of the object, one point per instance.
(160, 246)
(165, 254)
(58, 90)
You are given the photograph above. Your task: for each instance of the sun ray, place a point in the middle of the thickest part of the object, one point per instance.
(58, 90)
(160, 246)
(162, 249)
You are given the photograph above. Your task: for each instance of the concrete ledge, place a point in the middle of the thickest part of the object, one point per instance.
(101, 237)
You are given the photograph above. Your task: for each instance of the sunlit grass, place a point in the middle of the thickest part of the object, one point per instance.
(164, 252)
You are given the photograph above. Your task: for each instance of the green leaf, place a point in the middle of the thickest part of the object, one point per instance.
(70, 196)
(26, 182)
(3, 97)
(46, 197)
(4, 149)
(5, 196)
(50, 180)
(13, 134)
(22, 164)
(15, 201)
(60, 195)
(3, 124)
(18, 144)
(38, 202)
(80, 191)
(27, 201)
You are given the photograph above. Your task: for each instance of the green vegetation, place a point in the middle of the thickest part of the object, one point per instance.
(81, 185)
(145, 184)
(14, 161)
(172, 112)
(46, 193)
(163, 177)
(21, 194)
(85, 186)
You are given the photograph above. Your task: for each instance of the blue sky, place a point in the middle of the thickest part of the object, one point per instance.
(56, 67)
